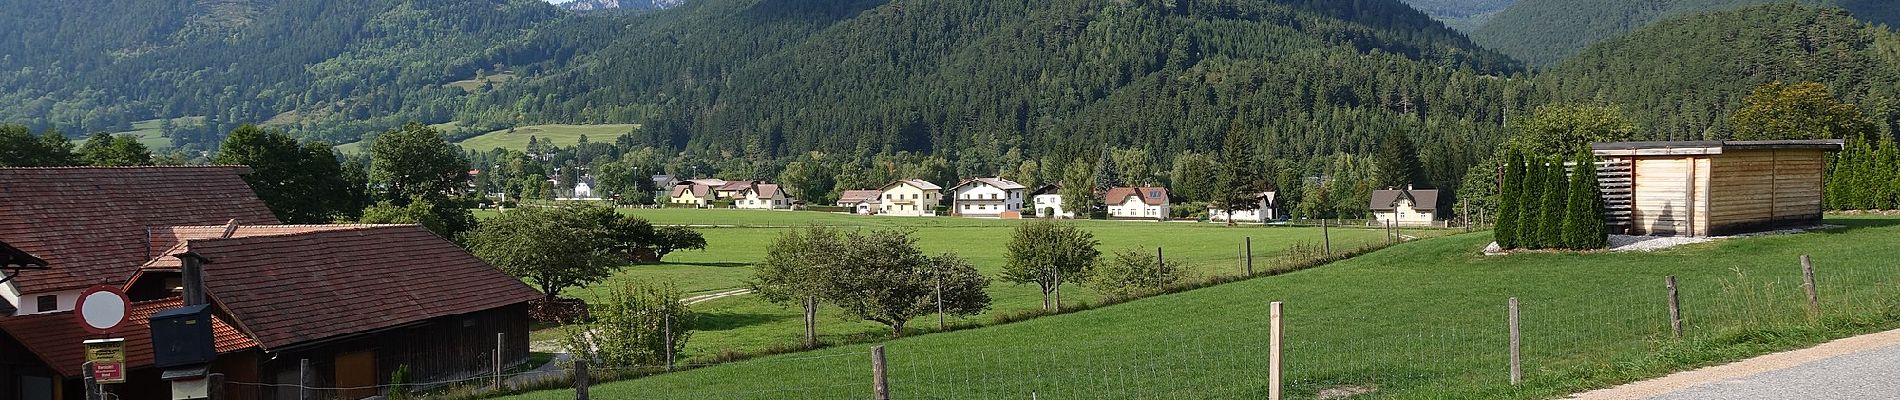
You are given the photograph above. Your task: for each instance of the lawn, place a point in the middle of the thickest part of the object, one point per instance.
(748, 323)
(151, 135)
(560, 134)
(1421, 320)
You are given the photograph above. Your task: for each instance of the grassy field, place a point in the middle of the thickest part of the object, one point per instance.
(474, 85)
(564, 135)
(747, 323)
(150, 135)
(1421, 320)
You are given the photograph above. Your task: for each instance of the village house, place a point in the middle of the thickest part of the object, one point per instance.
(861, 202)
(1405, 207)
(691, 193)
(1047, 201)
(663, 185)
(762, 196)
(1712, 188)
(732, 189)
(987, 197)
(1266, 208)
(910, 198)
(276, 294)
(1137, 203)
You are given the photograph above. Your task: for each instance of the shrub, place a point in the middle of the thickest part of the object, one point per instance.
(1509, 191)
(630, 328)
(1134, 271)
(1583, 217)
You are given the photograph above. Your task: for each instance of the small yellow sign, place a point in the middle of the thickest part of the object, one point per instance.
(108, 359)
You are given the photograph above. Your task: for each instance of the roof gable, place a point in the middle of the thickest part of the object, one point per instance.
(1154, 196)
(1387, 200)
(998, 183)
(916, 183)
(90, 223)
(296, 288)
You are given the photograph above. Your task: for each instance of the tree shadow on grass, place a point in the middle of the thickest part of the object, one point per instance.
(722, 321)
(1859, 223)
(712, 264)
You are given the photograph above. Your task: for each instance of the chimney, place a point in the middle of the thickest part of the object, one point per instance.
(1408, 187)
(192, 276)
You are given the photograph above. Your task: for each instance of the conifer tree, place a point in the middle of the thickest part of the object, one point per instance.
(1510, 185)
(1529, 204)
(1551, 212)
(1583, 216)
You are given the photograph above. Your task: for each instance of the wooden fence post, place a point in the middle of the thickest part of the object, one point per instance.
(1250, 255)
(305, 379)
(668, 328)
(214, 387)
(1807, 279)
(580, 379)
(880, 384)
(1161, 272)
(939, 301)
(1274, 334)
(1675, 307)
(500, 340)
(1517, 364)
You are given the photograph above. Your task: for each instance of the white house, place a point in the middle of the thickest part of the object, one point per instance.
(1046, 201)
(987, 197)
(1137, 203)
(910, 198)
(762, 196)
(1406, 207)
(861, 202)
(1266, 208)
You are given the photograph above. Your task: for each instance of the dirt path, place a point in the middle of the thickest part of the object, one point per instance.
(1681, 381)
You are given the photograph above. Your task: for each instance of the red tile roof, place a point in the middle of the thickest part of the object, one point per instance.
(89, 223)
(55, 338)
(168, 241)
(296, 288)
(1153, 196)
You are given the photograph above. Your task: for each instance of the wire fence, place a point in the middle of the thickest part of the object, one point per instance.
(1439, 331)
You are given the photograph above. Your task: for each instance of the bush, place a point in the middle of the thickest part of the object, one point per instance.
(1583, 216)
(630, 328)
(1509, 192)
(1550, 218)
(1134, 271)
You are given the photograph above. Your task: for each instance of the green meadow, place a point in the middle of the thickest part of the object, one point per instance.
(1426, 319)
(558, 134)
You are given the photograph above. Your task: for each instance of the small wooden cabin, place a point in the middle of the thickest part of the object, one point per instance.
(1713, 188)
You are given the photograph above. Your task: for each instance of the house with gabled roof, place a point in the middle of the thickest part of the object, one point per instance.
(1137, 203)
(1046, 201)
(762, 196)
(910, 198)
(1265, 207)
(357, 300)
(1405, 207)
(691, 193)
(986, 197)
(861, 202)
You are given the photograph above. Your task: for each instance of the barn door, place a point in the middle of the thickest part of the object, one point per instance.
(356, 370)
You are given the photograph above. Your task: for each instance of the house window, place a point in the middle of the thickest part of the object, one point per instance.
(48, 303)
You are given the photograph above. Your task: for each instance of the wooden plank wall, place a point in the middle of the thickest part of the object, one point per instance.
(1757, 187)
(1670, 195)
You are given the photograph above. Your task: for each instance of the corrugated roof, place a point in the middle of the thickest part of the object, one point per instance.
(296, 288)
(89, 223)
(56, 338)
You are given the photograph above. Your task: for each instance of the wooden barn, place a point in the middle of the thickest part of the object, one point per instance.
(1713, 188)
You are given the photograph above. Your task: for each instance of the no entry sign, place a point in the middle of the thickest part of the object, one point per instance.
(102, 309)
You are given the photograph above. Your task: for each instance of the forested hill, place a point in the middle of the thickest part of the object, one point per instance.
(98, 65)
(1682, 78)
(1543, 32)
(1051, 78)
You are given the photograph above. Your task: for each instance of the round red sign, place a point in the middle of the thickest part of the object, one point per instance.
(102, 309)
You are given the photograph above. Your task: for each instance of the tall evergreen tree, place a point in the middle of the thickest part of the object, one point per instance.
(1530, 204)
(1511, 187)
(1398, 161)
(1583, 216)
(1551, 211)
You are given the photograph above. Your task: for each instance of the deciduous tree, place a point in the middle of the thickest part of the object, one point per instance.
(882, 277)
(1049, 254)
(794, 271)
(108, 150)
(1805, 110)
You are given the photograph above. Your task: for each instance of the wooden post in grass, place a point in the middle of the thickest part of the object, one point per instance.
(1807, 279)
(1274, 334)
(1675, 307)
(1467, 206)
(939, 302)
(669, 340)
(1517, 364)
(1161, 272)
(580, 379)
(1250, 256)
(880, 385)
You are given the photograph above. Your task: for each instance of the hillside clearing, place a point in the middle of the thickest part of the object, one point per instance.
(1422, 320)
(558, 134)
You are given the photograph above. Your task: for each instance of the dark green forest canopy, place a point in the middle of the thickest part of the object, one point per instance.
(1545, 32)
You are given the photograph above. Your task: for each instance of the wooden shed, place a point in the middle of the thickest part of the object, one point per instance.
(1713, 188)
